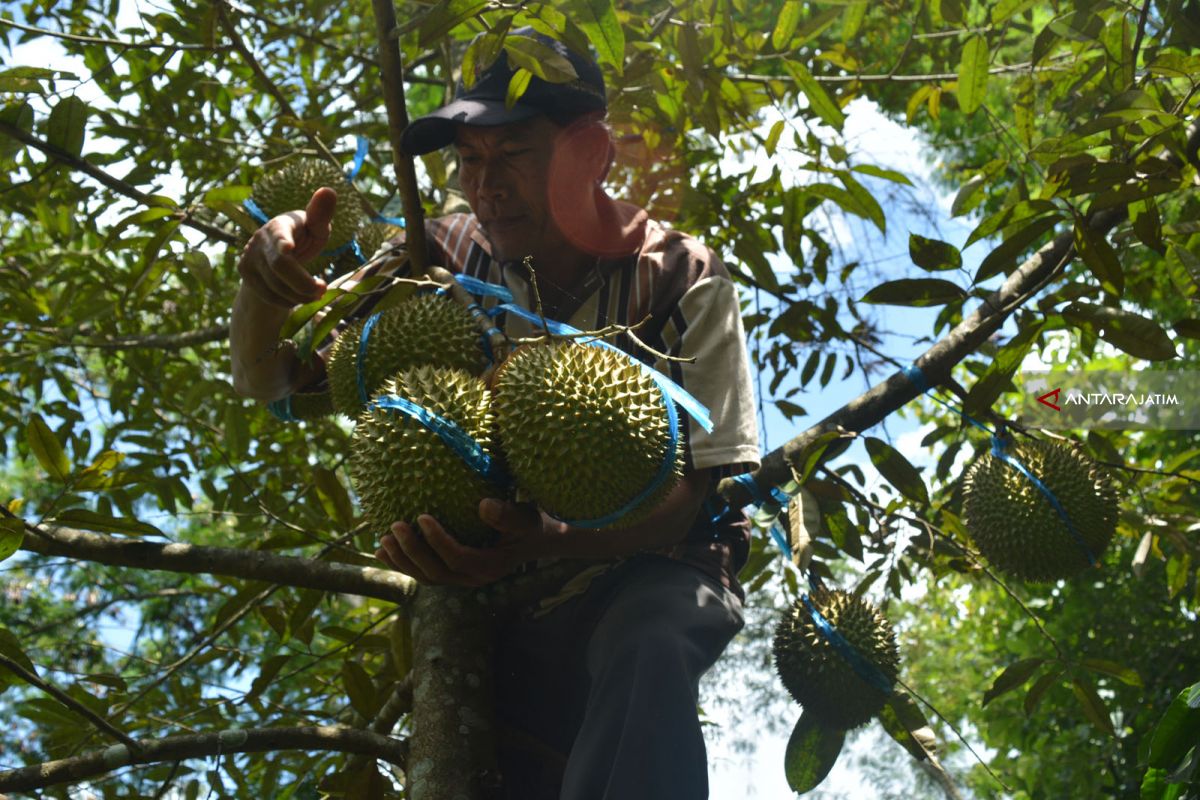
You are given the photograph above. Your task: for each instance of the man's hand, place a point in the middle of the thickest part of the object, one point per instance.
(430, 554)
(272, 263)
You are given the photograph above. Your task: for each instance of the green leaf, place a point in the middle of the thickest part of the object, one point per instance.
(104, 523)
(599, 21)
(1126, 675)
(1129, 332)
(772, 140)
(915, 292)
(1013, 676)
(1189, 328)
(852, 19)
(226, 194)
(334, 497)
(10, 648)
(973, 74)
(517, 85)
(67, 123)
(1176, 732)
(1039, 689)
(20, 116)
(811, 752)
(1100, 258)
(804, 522)
(359, 689)
(12, 535)
(1010, 216)
(818, 99)
(1003, 258)
(444, 17)
(1092, 706)
(883, 172)
(897, 470)
(46, 448)
(540, 59)
(904, 721)
(933, 255)
(786, 24)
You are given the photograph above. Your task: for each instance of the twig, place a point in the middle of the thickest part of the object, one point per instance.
(116, 184)
(180, 748)
(74, 37)
(953, 728)
(68, 701)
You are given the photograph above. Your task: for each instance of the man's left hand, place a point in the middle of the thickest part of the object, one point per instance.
(430, 554)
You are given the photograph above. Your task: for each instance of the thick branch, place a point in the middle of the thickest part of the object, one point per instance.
(116, 184)
(392, 75)
(159, 341)
(936, 363)
(232, 562)
(176, 748)
(1024, 68)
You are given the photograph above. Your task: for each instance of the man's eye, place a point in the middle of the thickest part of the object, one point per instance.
(517, 153)
(469, 159)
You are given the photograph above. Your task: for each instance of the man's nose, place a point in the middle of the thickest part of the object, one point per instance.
(494, 180)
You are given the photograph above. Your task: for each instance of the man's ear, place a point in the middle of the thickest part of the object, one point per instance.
(587, 151)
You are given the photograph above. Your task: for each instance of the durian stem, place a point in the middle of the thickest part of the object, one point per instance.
(495, 337)
(391, 68)
(453, 751)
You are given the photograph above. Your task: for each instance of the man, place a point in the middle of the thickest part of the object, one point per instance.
(597, 695)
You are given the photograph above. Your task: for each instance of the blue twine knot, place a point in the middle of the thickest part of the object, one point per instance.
(914, 374)
(281, 409)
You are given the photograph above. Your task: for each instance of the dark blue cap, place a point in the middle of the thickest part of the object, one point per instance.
(483, 103)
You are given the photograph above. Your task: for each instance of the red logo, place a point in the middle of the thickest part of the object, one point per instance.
(1046, 402)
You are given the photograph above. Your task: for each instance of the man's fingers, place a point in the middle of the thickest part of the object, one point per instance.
(510, 517)
(317, 220)
(418, 551)
(392, 554)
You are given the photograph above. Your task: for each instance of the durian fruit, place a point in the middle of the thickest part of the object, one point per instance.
(370, 237)
(817, 675)
(401, 469)
(310, 405)
(584, 429)
(424, 329)
(1016, 527)
(290, 187)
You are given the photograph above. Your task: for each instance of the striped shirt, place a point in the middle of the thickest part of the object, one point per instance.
(689, 306)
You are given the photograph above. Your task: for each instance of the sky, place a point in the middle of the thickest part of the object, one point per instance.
(875, 140)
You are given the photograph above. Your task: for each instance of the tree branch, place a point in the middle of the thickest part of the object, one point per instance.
(307, 573)
(391, 67)
(159, 341)
(116, 184)
(70, 702)
(176, 748)
(74, 37)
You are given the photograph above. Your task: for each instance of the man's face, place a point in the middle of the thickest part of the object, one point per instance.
(504, 172)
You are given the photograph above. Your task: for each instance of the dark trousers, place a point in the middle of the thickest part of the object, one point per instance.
(597, 698)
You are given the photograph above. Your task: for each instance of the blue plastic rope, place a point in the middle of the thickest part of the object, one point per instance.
(865, 669)
(360, 155)
(282, 409)
(914, 374)
(397, 221)
(484, 289)
(362, 357)
(998, 450)
(255, 212)
(746, 480)
(691, 405)
(664, 470)
(455, 437)
(780, 539)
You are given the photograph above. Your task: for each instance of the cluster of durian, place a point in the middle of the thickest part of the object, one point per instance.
(1015, 525)
(815, 672)
(581, 430)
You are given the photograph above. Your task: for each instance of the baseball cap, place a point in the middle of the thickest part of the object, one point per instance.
(483, 103)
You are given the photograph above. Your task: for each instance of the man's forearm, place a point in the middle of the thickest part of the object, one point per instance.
(261, 368)
(665, 526)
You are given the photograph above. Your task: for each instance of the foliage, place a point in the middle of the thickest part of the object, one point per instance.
(120, 229)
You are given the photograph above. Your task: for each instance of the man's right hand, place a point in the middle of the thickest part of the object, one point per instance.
(272, 263)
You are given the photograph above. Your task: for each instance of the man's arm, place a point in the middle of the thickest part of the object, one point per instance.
(275, 280)
(432, 555)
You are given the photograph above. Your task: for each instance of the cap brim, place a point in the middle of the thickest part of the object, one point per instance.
(437, 130)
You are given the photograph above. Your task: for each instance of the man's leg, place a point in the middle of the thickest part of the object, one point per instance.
(661, 629)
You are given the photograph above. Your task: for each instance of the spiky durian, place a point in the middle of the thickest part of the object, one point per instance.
(402, 469)
(817, 675)
(424, 329)
(1016, 527)
(290, 187)
(584, 429)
